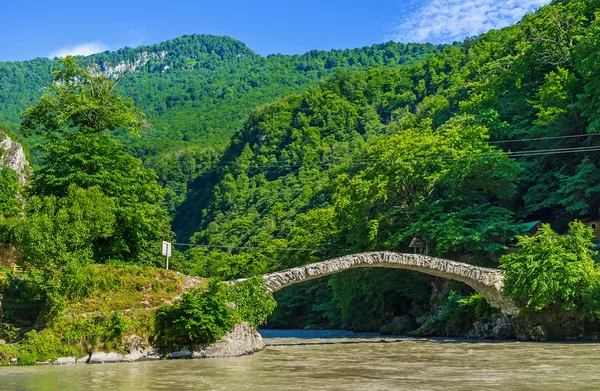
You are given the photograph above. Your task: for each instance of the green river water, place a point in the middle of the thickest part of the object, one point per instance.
(338, 360)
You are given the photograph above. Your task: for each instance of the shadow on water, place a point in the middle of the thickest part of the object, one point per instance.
(347, 337)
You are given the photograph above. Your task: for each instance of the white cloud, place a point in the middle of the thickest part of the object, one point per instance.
(445, 21)
(83, 49)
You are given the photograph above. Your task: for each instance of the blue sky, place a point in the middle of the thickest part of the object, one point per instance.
(35, 28)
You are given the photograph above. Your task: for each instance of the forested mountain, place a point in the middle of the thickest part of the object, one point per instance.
(455, 150)
(198, 88)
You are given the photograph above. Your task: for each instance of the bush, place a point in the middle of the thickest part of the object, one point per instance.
(551, 269)
(201, 317)
(96, 332)
(255, 303)
(43, 346)
(460, 313)
(23, 300)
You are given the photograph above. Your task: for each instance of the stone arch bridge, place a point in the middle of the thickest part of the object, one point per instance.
(488, 282)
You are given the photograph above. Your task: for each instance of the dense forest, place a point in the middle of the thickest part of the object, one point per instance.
(457, 150)
(197, 89)
(255, 164)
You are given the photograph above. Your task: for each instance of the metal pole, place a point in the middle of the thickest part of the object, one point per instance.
(167, 262)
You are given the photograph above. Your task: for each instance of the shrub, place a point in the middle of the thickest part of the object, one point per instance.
(460, 312)
(43, 346)
(551, 269)
(255, 303)
(200, 317)
(23, 300)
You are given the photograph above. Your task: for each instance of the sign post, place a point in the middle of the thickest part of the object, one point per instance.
(166, 251)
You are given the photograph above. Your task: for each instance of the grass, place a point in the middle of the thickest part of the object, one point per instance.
(119, 305)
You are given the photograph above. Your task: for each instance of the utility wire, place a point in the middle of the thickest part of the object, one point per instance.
(260, 248)
(542, 138)
(489, 142)
(491, 154)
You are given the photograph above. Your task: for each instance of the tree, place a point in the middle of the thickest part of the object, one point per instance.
(446, 186)
(10, 206)
(587, 54)
(550, 269)
(82, 101)
(77, 117)
(580, 191)
(66, 229)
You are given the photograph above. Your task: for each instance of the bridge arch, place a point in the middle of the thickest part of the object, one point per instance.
(488, 282)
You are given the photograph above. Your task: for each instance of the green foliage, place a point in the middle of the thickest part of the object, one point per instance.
(37, 347)
(10, 206)
(200, 317)
(356, 158)
(587, 60)
(552, 270)
(199, 88)
(23, 300)
(459, 314)
(68, 229)
(253, 300)
(373, 294)
(94, 332)
(77, 117)
(102, 305)
(82, 101)
(370, 159)
(430, 184)
(309, 304)
(10, 203)
(580, 191)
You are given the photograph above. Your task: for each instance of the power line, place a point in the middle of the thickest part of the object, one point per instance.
(491, 154)
(542, 138)
(260, 248)
(338, 157)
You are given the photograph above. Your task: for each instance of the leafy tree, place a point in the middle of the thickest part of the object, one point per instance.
(82, 101)
(580, 191)
(550, 269)
(77, 117)
(66, 229)
(587, 55)
(445, 186)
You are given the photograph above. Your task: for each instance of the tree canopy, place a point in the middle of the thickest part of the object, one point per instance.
(77, 117)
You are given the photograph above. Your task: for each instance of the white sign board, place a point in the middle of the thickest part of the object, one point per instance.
(166, 249)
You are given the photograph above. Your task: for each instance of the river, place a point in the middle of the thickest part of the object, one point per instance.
(339, 360)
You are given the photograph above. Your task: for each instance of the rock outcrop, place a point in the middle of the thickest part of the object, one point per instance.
(400, 325)
(497, 327)
(13, 156)
(124, 67)
(240, 341)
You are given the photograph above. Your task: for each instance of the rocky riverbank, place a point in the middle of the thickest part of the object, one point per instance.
(240, 341)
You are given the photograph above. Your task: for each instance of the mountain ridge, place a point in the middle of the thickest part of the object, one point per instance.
(197, 88)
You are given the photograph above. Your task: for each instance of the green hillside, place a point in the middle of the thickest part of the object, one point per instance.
(256, 164)
(198, 88)
(371, 159)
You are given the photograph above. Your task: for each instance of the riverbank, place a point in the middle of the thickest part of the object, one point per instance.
(240, 341)
(107, 308)
(128, 313)
(122, 313)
